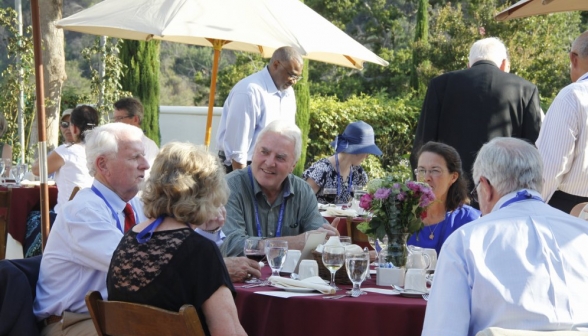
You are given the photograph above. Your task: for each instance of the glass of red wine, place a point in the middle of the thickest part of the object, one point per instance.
(254, 249)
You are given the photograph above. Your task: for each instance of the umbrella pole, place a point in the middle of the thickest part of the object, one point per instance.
(217, 45)
(44, 189)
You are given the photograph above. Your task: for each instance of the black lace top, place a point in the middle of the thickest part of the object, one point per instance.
(173, 268)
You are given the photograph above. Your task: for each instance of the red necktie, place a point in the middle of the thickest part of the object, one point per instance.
(129, 217)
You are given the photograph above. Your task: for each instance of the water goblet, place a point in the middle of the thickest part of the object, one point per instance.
(18, 173)
(333, 259)
(254, 249)
(345, 240)
(357, 265)
(276, 251)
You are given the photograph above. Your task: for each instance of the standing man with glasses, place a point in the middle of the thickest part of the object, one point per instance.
(467, 108)
(563, 140)
(253, 103)
(130, 111)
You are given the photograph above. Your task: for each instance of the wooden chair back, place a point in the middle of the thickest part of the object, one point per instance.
(117, 318)
(577, 210)
(4, 220)
(74, 192)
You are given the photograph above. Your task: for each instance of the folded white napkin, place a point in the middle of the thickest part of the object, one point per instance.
(314, 282)
(337, 212)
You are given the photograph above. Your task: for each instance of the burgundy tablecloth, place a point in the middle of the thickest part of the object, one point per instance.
(23, 200)
(371, 315)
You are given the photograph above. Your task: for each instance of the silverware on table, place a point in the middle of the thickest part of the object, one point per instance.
(336, 297)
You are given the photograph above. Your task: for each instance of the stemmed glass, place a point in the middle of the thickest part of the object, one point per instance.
(358, 265)
(2, 167)
(333, 259)
(254, 249)
(276, 251)
(382, 244)
(18, 172)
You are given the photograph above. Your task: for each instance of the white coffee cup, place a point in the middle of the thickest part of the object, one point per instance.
(292, 258)
(416, 279)
(432, 256)
(307, 269)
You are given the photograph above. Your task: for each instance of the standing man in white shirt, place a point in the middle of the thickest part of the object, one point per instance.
(520, 266)
(89, 228)
(256, 101)
(563, 140)
(130, 111)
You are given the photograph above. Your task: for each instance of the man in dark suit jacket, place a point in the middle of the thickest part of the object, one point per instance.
(467, 108)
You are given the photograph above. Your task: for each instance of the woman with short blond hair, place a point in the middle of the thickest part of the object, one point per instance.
(162, 262)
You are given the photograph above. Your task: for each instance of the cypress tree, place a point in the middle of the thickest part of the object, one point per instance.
(421, 39)
(141, 77)
(302, 91)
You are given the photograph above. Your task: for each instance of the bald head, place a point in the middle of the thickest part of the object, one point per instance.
(579, 57)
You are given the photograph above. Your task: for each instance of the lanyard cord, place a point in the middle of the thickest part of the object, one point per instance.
(256, 209)
(522, 195)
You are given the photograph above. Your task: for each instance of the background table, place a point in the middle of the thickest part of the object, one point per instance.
(371, 314)
(23, 200)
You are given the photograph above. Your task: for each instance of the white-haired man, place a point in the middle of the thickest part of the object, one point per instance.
(467, 108)
(520, 266)
(89, 228)
(266, 199)
(563, 140)
(256, 101)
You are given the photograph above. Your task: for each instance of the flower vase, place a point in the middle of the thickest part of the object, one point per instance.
(397, 250)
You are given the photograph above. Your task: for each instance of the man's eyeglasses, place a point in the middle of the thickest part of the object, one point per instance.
(117, 119)
(474, 192)
(64, 124)
(291, 76)
(421, 172)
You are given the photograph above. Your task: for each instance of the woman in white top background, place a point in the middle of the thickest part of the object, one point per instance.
(68, 162)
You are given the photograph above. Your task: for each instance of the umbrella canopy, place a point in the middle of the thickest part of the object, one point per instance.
(257, 26)
(526, 8)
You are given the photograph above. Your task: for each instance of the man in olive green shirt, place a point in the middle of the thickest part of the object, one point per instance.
(266, 199)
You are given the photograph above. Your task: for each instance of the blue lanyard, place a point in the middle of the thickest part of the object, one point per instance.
(147, 233)
(114, 214)
(282, 208)
(522, 195)
(339, 183)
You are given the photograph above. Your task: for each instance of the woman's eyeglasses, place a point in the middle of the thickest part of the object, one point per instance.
(421, 172)
(64, 124)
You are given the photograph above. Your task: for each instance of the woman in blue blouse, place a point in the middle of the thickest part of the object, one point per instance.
(439, 165)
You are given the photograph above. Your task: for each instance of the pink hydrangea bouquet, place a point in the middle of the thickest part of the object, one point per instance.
(395, 207)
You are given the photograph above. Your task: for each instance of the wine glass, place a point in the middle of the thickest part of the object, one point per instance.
(333, 259)
(345, 240)
(254, 249)
(276, 251)
(18, 172)
(358, 265)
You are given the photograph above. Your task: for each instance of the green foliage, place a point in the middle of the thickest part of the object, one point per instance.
(109, 85)
(302, 115)
(421, 39)
(141, 77)
(17, 46)
(393, 120)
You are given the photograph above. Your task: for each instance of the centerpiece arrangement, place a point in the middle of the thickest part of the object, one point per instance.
(397, 211)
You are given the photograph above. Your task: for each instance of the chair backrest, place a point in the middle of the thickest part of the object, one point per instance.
(577, 210)
(493, 331)
(117, 318)
(74, 192)
(4, 220)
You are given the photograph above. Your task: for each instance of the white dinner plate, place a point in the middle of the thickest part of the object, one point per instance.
(295, 289)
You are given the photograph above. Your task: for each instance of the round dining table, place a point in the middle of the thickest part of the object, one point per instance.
(370, 314)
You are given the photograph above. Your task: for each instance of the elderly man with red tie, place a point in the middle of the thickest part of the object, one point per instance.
(89, 228)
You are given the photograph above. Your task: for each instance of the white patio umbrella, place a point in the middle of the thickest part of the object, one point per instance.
(526, 8)
(257, 26)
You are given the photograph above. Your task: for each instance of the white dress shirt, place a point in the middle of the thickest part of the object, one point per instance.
(524, 266)
(74, 172)
(252, 104)
(218, 238)
(80, 246)
(563, 141)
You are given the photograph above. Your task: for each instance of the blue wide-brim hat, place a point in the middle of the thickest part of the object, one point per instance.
(358, 138)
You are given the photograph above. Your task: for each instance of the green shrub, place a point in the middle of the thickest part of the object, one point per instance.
(393, 119)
